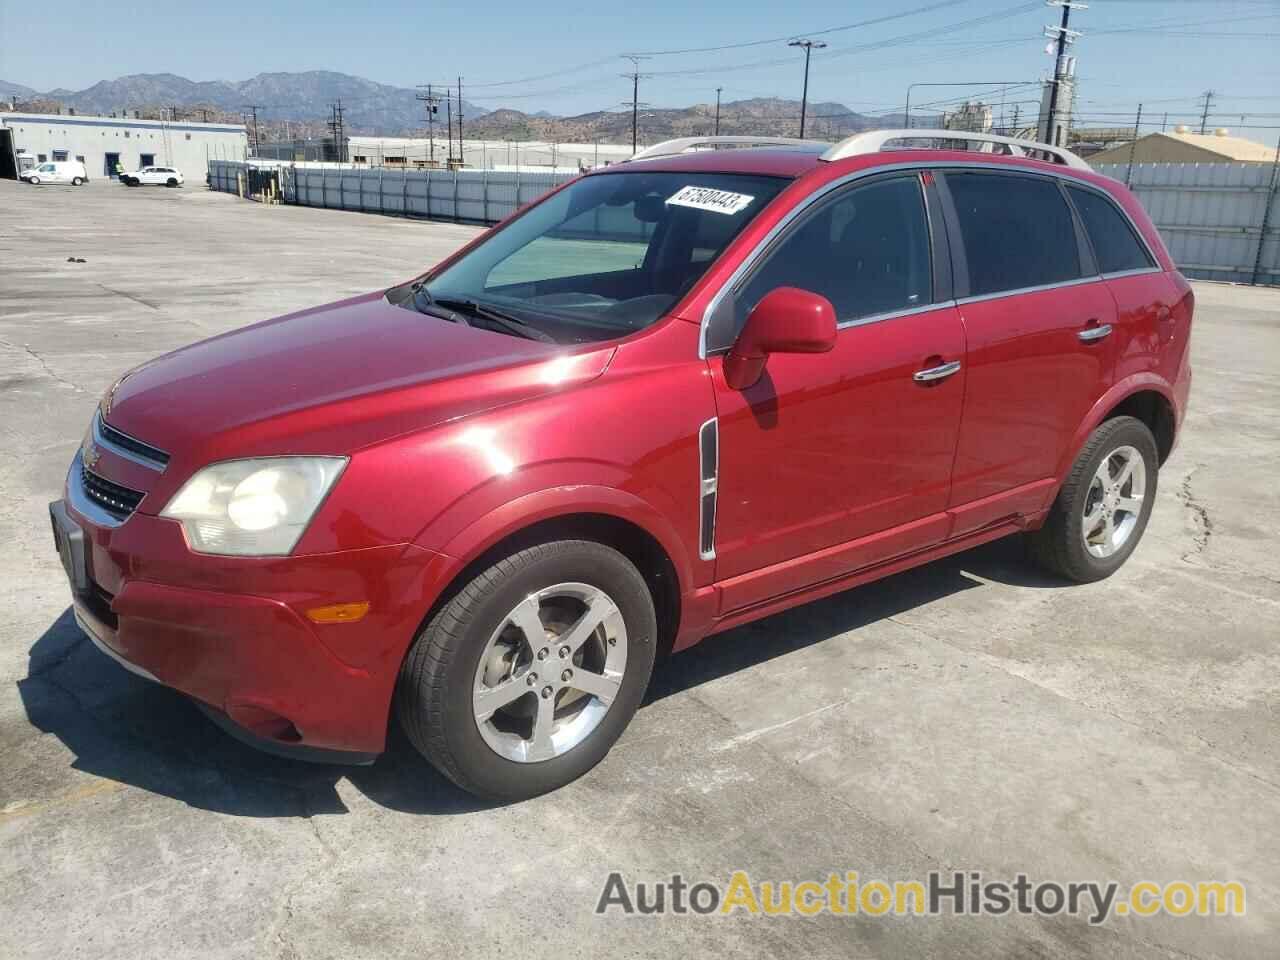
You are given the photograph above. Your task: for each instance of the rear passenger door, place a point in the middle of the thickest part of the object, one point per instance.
(1038, 321)
(1143, 293)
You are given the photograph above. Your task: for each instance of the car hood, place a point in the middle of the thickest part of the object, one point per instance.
(330, 380)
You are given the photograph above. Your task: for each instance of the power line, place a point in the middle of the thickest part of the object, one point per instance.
(811, 33)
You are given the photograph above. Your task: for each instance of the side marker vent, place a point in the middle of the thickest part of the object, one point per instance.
(709, 473)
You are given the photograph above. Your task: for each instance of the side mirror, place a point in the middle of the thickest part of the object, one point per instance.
(786, 320)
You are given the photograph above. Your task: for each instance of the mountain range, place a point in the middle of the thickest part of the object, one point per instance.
(299, 104)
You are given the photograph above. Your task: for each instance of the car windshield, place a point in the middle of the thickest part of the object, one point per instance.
(605, 256)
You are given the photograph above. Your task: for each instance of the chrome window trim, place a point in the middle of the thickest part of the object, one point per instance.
(1136, 271)
(1038, 288)
(100, 440)
(80, 501)
(893, 314)
(757, 251)
(708, 486)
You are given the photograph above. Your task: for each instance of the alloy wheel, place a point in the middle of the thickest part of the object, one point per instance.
(1114, 502)
(550, 672)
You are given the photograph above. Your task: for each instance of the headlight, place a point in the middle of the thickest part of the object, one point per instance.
(253, 508)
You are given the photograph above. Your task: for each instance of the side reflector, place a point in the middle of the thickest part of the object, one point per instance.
(338, 612)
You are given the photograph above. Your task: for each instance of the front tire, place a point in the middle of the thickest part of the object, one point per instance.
(34, 181)
(1102, 510)
(524, 679)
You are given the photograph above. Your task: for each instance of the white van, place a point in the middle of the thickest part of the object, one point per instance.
(57, 171)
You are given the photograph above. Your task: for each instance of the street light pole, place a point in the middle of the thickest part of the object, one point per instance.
(808, 45)
(718, 89)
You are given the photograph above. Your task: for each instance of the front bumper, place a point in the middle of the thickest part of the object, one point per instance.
(232, 632)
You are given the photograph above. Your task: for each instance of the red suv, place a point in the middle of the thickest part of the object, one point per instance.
(671, 397)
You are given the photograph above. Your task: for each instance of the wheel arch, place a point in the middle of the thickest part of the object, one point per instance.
(1145, 396)
(1155, 410)
(605, 515)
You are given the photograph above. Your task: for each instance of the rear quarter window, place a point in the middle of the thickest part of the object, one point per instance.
(1017, 230)
(1115, 245)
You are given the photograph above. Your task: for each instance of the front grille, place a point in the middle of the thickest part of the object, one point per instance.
(118, 501)
(113, 437)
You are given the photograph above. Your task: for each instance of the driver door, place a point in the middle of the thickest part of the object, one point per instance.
(835, 461)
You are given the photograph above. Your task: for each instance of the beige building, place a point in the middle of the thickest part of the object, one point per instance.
(1181, 146)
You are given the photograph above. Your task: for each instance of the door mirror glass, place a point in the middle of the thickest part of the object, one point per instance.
(786, 320)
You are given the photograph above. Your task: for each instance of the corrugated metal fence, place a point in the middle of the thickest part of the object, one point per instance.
(1212, 216)
(482, 196)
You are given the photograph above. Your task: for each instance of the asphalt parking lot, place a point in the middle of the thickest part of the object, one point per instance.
(970, 715)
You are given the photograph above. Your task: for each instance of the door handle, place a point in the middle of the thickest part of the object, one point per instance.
(940, 372)
(1090, 334)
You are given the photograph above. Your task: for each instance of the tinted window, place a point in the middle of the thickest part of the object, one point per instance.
(1114, 243)
(867, 251)
(1017, 231)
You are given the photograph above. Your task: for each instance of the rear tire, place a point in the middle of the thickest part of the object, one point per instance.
(1102, 510)
(76, 181)
(171, 182)
(580, 593)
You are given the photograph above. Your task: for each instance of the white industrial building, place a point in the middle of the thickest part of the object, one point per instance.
(102, 142)
(509, 155)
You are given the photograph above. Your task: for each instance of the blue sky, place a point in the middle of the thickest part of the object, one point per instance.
(1163, 52)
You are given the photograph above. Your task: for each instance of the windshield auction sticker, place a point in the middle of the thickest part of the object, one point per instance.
(708, 198)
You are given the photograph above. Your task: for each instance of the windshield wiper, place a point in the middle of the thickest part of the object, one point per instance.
(423, 302)
(509, 322)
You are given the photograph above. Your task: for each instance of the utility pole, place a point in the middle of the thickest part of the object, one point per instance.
(634, 76)
(335, 128)
(1204, 115)
(718, 89)
(808, 45)
(1064, 37)
(1133, 146)
(462, 151)
(253, 109)
(432, 106)
(448, 119)
(342, 136)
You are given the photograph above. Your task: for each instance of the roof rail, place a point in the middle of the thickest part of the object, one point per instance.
(670, 148)
(873, 141)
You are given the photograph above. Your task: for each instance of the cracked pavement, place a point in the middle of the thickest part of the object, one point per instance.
(969, 715)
